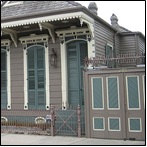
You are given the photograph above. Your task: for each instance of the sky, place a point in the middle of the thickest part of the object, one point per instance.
(130, 14)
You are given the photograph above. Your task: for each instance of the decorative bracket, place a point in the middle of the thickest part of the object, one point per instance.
(51, 29)
(90, 25)
(12, 34)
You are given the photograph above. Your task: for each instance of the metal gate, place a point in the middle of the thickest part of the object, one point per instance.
(114, 101)
(70, 122)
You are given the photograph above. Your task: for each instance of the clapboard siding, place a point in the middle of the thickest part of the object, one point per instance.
(127, 44)
(141, 43)
(17, 76)
(55, 77)
(103, 35)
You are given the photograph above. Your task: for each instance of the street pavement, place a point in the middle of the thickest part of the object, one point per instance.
(24, 139)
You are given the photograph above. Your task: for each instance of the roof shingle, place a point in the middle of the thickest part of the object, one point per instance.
(35, 7)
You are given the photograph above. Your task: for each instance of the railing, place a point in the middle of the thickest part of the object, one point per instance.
(55, 121)
(25, 122)
(120, 60)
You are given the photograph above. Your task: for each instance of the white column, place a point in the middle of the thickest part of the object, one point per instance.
(25, 79)
(47, 78)
(64, 75)
(8, 80)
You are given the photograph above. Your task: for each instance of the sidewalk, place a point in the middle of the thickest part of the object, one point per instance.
(22, 139)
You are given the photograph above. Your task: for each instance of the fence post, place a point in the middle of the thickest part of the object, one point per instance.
(52, 121)
(79, 121)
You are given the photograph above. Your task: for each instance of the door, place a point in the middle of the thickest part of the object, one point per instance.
(76, 52)
(36, 77)
(135, 108)
(107, 113)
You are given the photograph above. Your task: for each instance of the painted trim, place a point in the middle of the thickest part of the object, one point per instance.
(103, 124)
(102, 93)
(138, 92)
(129, 124)
(12, 4)
(47, 19)
(47, 81)
(143, 82)
(64, 75)
(117, 93)
(91, 53)
(109, 123)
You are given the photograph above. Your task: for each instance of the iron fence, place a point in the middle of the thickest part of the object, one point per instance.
(120, 60)
(56, 121)
(25, 122)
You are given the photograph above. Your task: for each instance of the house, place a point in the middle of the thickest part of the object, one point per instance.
(43, 45)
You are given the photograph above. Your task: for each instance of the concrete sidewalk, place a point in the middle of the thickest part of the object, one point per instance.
(22, 139)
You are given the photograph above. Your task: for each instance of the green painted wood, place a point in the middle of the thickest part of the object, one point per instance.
(98, 123)
(113, 92)
(76, 52)
(133, 98)
(36, 77)
(3, 79)
(135, 124)
(97, 93)
(114, 124)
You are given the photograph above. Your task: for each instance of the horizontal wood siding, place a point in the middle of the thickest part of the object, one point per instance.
(17, 77)
(103, 35)
(141, 43)
(128, 45)
(55, 76)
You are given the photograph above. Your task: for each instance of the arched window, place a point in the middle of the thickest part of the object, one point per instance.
(36, 77)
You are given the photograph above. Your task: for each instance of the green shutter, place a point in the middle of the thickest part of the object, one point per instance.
(109, 54)
(133, 97)
(3, 79)
(113, 93)
(36, 77)
(97, 93)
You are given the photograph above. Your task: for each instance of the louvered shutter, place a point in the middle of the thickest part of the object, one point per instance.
(36, 77)
(109, 54)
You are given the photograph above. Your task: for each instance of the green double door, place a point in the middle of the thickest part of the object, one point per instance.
(76, 52)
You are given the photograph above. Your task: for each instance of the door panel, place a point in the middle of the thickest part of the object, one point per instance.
(106, 108)
(135, 113)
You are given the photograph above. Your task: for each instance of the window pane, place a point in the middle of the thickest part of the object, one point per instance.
(97, 93)
(133, 98)
(113, 93)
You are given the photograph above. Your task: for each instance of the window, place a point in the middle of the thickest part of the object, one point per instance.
(97, 93)
(3, 78)
(36, 77)
(110, 53)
